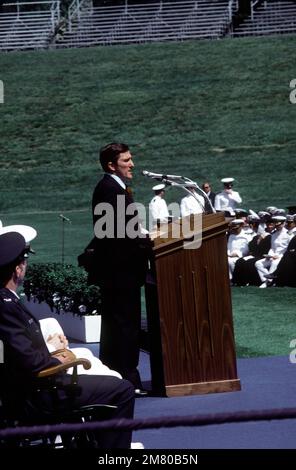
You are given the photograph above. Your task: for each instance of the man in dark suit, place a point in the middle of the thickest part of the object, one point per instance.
(206, 187)
(26, 354)
(121, 261)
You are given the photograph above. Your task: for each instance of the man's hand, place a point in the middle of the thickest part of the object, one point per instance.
(64, 356)
(59, 341)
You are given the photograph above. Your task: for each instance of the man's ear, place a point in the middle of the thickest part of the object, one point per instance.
(18, 270)
(111, 166)
(16, 273)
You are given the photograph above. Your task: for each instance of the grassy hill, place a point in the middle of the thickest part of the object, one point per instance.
(203, 109)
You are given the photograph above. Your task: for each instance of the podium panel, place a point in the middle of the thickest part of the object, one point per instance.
(189, 315)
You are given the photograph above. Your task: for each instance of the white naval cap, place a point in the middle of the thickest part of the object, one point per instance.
(280, 212)
(240, 212)
(158, 187)
(227, 180)
(263, 214)
(271, 209)
(237, 222)
(29, 233)
(254, 214)
(280, 219)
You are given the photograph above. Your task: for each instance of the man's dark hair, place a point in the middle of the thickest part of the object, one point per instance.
(7, 271)
(206, 183)
(158, 191)
(111, 153)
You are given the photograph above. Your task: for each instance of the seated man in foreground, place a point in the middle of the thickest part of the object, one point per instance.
(26, 354)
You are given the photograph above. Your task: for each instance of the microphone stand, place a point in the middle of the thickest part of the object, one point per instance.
(63, 241)
(189, 183)
(64, 219)
(202, 192)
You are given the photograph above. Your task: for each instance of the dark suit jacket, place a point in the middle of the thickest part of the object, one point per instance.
(261, 248)
(211, 196)
(25, 352)
(286, 270)
(119, 260)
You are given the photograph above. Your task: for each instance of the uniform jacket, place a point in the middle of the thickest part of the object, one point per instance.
(279, 242)
(189, 205)
(227, 201)
(25, 352)
(238, 243)
(158, 209)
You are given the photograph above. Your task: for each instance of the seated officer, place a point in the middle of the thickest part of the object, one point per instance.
(237, 244)
(25, 354)
(245, 272)
(279, 243)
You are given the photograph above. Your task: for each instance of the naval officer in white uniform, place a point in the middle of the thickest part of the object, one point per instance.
(158, 207)
(228, 199)
(192, 203)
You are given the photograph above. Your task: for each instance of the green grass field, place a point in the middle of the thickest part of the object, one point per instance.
(204, 109)
(264, 320)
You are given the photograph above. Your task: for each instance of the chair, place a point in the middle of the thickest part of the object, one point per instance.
(10, 416)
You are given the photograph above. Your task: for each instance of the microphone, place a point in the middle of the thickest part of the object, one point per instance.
(160, 177)
(156, 176)
(191, 185)
(65, 218)
(168, 182)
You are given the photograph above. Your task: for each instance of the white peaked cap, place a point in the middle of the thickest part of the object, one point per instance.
(237, 222)
(227, 180)
(254, 214)
(29, 233)
(278, 218)
(158, 187)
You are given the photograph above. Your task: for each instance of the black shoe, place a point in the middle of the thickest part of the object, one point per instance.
(139, 392)
(270, 276)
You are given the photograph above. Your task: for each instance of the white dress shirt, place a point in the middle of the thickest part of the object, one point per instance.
(119, 180)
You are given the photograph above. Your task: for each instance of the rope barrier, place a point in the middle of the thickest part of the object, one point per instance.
(149, 423)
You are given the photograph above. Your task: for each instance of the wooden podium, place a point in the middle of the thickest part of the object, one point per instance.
(189, 314)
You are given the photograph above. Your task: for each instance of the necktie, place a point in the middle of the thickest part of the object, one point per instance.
(129, 192)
